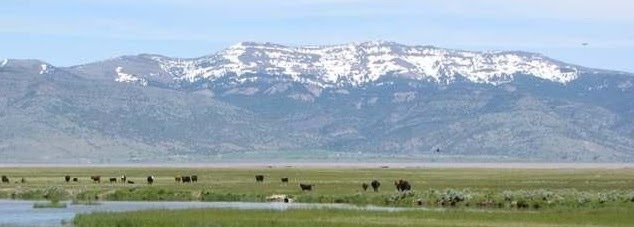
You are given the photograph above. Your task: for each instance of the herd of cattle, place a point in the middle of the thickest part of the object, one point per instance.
(401, 185)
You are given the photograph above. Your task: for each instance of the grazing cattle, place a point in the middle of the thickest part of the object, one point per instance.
(130, 182)
(186, 179)
(402, 185)
(375, 185)
(177, 179)
(365, 186)
(259, 178)
(306, 187)
(194, 178)
(285, 180)
(113, 180)
(96, 179)
(150, 179)
(124, 178)
(5, 179)
(75, 179)
(67, 178)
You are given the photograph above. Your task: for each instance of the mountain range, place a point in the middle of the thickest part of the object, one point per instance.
(371, 100)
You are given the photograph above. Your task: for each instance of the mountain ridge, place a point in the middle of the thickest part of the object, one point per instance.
(363, 62)
(133, 108)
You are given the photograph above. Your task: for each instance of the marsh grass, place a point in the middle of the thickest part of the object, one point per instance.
(609, 216)
(50, 204)
(521, 189)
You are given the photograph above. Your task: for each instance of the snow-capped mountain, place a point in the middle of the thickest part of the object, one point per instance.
(352, 64)
(379, 98)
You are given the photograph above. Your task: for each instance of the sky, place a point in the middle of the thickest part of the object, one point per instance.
(72, 32)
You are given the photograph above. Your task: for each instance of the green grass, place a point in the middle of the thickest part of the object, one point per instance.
(52, 204)
(538, 188)
(470, 197)
(350, 218)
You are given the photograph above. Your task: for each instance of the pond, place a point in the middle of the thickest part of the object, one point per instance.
(22, 213)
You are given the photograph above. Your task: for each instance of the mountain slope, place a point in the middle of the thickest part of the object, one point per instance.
(364, 99)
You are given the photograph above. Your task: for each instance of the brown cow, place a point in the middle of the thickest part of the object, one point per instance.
(259, 178)
(96, 179)
(365, 186)
(306, 187)
(402, 185)
(375, 185)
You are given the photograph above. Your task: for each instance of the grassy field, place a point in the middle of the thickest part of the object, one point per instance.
(347, 218)
(497, 197)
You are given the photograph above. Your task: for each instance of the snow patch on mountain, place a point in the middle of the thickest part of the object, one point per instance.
(44, 69)
(4, 62)
(360, 63)
(128, 78)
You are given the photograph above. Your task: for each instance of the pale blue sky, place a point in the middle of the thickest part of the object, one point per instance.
(69, 32)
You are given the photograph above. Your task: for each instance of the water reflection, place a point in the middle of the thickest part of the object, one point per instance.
(20, 212)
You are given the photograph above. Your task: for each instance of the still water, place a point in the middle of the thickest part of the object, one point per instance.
(22, 213)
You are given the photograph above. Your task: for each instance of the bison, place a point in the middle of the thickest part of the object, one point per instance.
(5, 179)
(150, 179)
(365, 186)
(67, 178)
(96, 179)
(402, 185)
(375, 185)
(284, 180)
(306, 187)
(259, 178)
(113, 180)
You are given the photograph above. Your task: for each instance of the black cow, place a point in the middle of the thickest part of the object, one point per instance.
(375, 185)
(402, 185)
(96, 179)
(259, 178)
(5, 179)
(113, 180)
(194, 178)
(75, 179)
(306, 187)
(285, 180)
(124, 178)
(365, 186)
(67, 178)
(186, 179)
(150, 179)
(130, 182)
